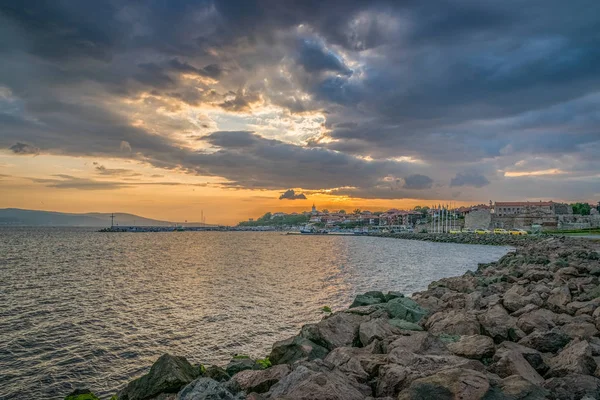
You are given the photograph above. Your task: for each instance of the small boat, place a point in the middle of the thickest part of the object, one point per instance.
(361, 231)
(311, 230)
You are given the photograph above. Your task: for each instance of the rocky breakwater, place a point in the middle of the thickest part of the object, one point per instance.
(468, 238)
(524, 327)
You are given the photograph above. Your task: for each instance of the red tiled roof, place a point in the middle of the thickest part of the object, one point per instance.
(523, 203)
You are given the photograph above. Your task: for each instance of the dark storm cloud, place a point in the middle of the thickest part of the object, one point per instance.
(461, 86)
(290, 194)
(469, 179)
(24, 149)
(417, 181)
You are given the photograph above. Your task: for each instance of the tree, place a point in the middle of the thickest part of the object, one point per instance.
(266, 217)
(356, 211)
(581, 208)
(342, 212)
(325, 211)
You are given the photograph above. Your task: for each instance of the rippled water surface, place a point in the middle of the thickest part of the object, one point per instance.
(80, 308)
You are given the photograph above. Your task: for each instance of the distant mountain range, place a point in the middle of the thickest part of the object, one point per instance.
(19, 217)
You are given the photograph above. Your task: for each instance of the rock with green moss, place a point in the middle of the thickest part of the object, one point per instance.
(367, 299)
(406, 309)
(404, 325)
(81, 394)
(167, 375)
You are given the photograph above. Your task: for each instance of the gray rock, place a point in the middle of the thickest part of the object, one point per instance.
(458, 383)
(393, 295)
(537, 320)
(216, 373)
(167, 375)
(582, 330)
(510, 362)
(406, 309)
(576, 358)
(391, 380)
(497, 324)
(453, 322)
(337, 330)
(367, 299)
(516, 298)
(573, 387)
(206, 389)
(517, 387)
(295, 348)
(378, 328)
(318, 383)
(404, 325)
(358, 362)
(524, 310)
(241, 364)
(473, 346)
(546, 342)
(258, 381)
(415, 342)
(533, 357)
(559, 298)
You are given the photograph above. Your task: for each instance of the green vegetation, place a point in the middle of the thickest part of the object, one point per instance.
(269, 220)
(83, 396)
(326, 309)
(581, 208)
(264, 362)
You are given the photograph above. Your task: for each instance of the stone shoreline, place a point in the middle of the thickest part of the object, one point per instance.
(523, 327)
(468, 238)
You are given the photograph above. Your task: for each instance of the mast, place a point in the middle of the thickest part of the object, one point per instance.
(112, 220)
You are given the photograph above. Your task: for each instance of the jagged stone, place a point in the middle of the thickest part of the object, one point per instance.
(167, 375)
(308, 384)
(453, 322)
(206, 389)
(457, 383)
(517, 387)
(511, 362)
(559, 298)
(216, 373)
(537, 320)
(473, 346)
(533, 357)
(582, 330)
(575, 358)
(378, 328)
(392, 378)
(259, 381)
(405, 308)
(515, 298)
(338, 330)
(238, 364)
(546, 342)
(404, 325)
(496, 323)
(295, 348)
(415, 342)
(573, 387)
(359, 362)
(367, 299)
(524, 310)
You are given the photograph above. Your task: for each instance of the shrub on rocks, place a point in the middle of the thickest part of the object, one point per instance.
(81, 394)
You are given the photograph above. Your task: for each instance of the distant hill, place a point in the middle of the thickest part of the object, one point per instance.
(19, 217)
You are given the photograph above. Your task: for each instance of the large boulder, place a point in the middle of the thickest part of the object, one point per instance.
(546, 342)
(405, 308)
(533, 357)
(497, 324)
(573, 387)
(308, 382)
(453, 322)
(391, 380)
(517, 387)
(340, 329)
(206, 389)
(473, 346)
(577, 329)
(358, 362)
(516, 297)
(537, 320)
(378, 328)
(511, 362)
(576, 358)
(167, 375)
(559, 298)
(216, 373)
(258, 381)
(295, 348)
(415, 342)
(369, 298)
(241, 363)
(457, 383)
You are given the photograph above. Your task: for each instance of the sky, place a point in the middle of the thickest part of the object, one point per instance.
(167, 109)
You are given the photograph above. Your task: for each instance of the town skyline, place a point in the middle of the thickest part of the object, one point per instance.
(249, 106)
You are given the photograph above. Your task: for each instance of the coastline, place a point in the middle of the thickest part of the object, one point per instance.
(525, 326)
